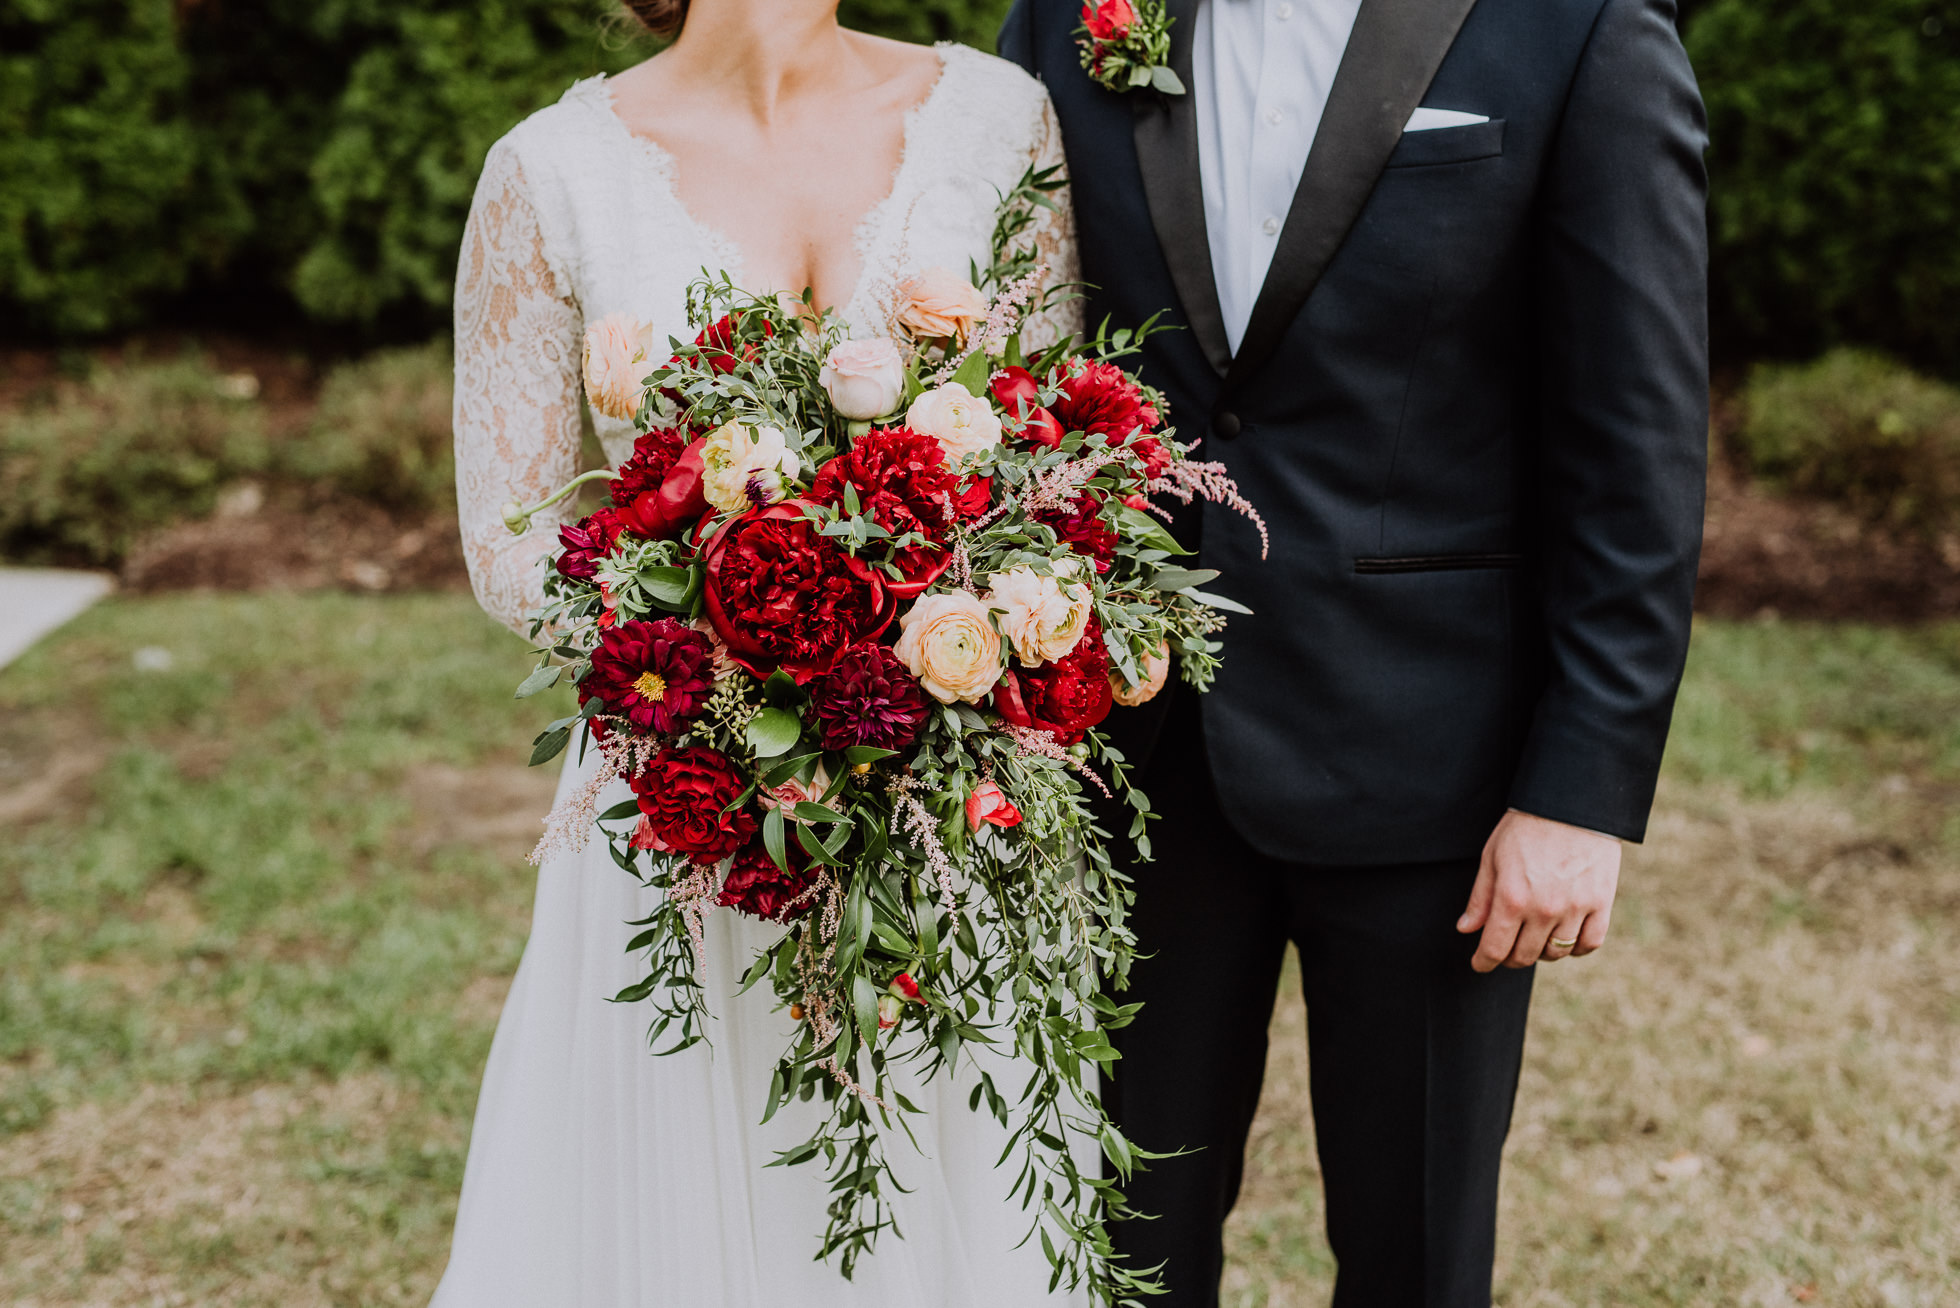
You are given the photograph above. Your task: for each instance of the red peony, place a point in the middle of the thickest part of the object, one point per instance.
(756, 886)
(652, 459)
(782, 596)
(1083, 529)
(1156, 459)
(683, 793)
(904, 485)
(1102, 400)
(585, 542)
(1066, 697)
(658, 674)
(676, 501)
(868, 698)
(1108, 20)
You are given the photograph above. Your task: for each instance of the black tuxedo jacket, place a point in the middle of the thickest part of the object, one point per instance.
(1471, 403)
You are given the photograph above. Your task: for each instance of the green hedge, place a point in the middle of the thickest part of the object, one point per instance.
(1856, 427)
(322, 150)
(1835, 171)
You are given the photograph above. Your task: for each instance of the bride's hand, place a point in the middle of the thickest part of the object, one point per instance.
(1544, 892)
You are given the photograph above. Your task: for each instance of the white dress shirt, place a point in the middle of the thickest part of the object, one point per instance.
(1262, 70)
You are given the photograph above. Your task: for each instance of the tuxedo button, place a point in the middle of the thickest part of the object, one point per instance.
(1225, 424)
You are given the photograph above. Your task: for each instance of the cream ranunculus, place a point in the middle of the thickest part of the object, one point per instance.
(962, 422)
(864, 379)
(618, 356)
(746, 467)
(1043, 616)
(1156, 670)
(949, 644)
(939, 303)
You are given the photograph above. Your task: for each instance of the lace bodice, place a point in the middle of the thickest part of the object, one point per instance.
(576, 217)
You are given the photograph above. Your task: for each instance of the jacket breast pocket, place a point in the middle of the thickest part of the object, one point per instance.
(1449, 145)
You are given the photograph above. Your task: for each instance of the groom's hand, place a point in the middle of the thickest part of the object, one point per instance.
(1542, 885)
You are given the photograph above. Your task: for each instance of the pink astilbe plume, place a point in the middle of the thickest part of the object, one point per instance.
(1004, 314)
(1186, 478)
(1042, 744)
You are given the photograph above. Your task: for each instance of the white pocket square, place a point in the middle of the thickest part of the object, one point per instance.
(1428, 120)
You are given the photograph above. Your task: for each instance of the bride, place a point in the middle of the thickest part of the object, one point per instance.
(770, 143)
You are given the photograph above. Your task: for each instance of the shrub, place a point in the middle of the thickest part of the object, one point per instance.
(1835, 173)
(97, 462)
(381, 432)
(1857, 427)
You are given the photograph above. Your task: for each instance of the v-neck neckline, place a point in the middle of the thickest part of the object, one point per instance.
(726, 248)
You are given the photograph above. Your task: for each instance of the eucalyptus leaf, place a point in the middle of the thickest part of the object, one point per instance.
(541, 680)
(1166, 80)
(1179, 578)
(974, 372)
(1210, 600)
(550, 745)
(620, 811)
(774, 731)
(667, 587)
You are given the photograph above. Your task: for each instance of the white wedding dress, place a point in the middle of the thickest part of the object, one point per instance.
(599, 1175)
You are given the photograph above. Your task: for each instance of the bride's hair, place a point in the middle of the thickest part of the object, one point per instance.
(661, 17)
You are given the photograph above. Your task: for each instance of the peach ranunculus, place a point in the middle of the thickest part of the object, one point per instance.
(940, 304)
(745, 467)
(1043, 616)
(618, 356)
(1156, 670)
(949, 643)
(962, 422)
(864, 379)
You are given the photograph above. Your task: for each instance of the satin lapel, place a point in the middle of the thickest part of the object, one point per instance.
(1394, 52)
(1167, 151)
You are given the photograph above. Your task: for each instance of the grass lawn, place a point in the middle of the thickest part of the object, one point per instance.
(262, 887)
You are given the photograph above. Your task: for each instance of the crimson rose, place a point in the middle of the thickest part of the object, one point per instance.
(683, 793)
(756, 886)
(904, 485)
(659, 674)
(1083, 530)
(782, 596)
(1066, 697)
(868, 698)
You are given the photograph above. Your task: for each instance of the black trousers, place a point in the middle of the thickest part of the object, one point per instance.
(1414, 1055)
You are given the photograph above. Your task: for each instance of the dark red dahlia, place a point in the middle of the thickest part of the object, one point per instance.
(782, 596)
(903, 485)
(868, 698)
(756, 886)
(1066, 697)
(585, 542)
(1102, 400)
(683, 794)
(1083, 529)
(658, 674)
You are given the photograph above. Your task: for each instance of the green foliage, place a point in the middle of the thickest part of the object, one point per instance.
(1835, 172)
(90, 465)
(382, 431)
(317, 154)
(1858, 427)
(131, 447)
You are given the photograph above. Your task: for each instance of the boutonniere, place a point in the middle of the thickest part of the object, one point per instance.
(1126, 44)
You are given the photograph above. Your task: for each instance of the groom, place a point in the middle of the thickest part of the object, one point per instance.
(1440, 266)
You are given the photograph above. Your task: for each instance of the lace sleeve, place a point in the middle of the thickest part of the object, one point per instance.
(517, 390)
(1055, 237)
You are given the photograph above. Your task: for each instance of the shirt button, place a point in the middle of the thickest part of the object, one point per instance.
(1270, 227)
(1283, 11)
(1275, 117)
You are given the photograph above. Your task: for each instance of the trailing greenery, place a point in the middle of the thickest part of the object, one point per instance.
(1858, 427)
(309, 156)
(92, 463)
(1835, 173)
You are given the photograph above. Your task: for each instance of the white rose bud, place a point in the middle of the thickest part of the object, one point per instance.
(864, 379)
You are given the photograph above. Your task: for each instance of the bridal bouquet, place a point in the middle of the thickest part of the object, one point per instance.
(847, 626)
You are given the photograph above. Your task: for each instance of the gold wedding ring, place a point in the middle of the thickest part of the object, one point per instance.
(1556, 943)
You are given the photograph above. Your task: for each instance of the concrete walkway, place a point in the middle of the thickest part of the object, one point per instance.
(34, 601)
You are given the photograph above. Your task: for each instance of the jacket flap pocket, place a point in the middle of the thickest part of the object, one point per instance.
(1448, 145)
